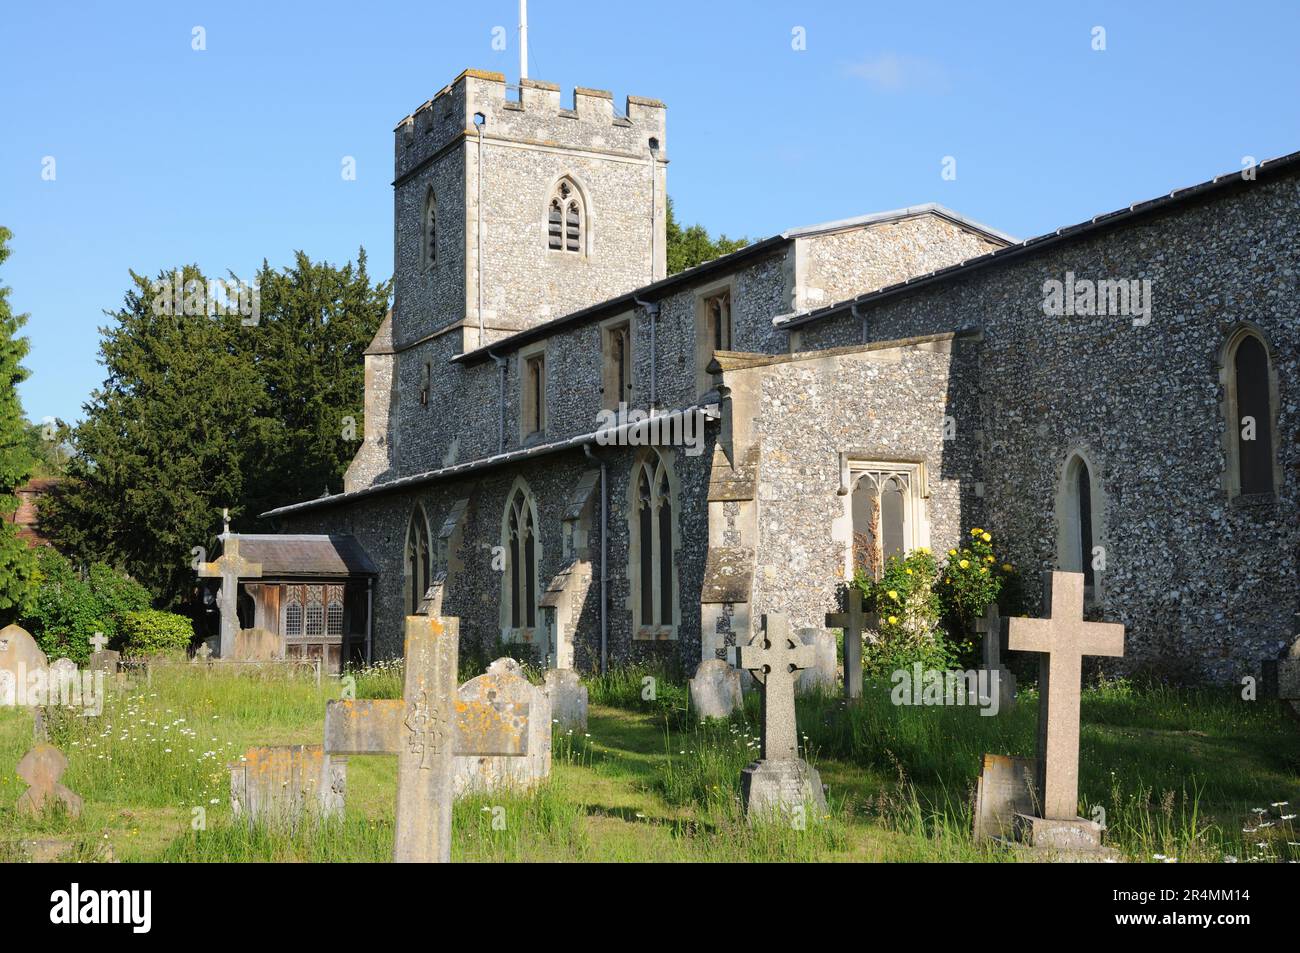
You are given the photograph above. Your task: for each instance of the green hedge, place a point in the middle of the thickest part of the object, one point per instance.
(71, 606)
(151, 630)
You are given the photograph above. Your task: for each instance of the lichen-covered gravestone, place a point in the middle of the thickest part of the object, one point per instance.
(568, 699)
(781, 783)
(281, 785)
(504, 683)
(19, 658)
(426, 728)
(715, 689)
(42, 768)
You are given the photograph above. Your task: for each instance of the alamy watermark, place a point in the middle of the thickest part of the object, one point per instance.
(82, 689)
(1106, 297)
(212, 298)
(923, 686)
(633, 427)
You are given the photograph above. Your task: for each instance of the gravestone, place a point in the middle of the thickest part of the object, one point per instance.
(425, 728)
(230, 568)
(715, 689)
(853, 622)
(1062, 639)
(1005, 789)
(568, 699)
(42, 768)
(256, 645)
(1000, 679)
(19, 657)
(106, 661)
(823, 673)
(503, 683)
(281, 785)
(203, 654)
(780, 783)
(63, 672)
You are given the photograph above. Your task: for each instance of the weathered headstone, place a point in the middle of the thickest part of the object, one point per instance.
(63, 672)
(281, 785)
(853, 622)
(568, 699)
(1063, 639)
(781, 782)
(1287, 677)
(42, 768)
(1000, 680)
(1006, 788)
(823, 673)
(424, 729)
(715, 689)
(20, 656)
(106, 661)
(230, 568)
(503, 683)
(256, 645)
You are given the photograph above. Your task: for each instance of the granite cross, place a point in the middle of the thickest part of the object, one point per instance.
(773, 658)
(97, 641)
(853, 622)
(230, 568)
(1064, 639)
(425, 728)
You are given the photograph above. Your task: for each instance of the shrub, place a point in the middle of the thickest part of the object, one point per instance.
(150, 631)
(908, 612)
(69, 609)
(973, 577)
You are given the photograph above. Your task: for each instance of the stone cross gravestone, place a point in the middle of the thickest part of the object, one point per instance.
(230, 568)
(42, 768)
(781, 782)
(98, 641)
(1000, 679)
(425, 729)
(102, 659)
(203, 653)
(1063, 639)
(853, 621)
(20, 656)
(282, 784)
(715, 689)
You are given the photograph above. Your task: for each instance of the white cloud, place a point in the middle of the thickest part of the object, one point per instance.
(899, 73)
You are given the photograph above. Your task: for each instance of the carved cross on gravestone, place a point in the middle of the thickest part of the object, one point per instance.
(773, 658)
(425, 728)
(853, 621)
(230, 568)
(1064, 639)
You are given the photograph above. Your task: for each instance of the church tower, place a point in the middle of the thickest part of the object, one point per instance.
(509, 213)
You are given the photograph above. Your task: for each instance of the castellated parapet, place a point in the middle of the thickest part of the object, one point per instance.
(530, 145)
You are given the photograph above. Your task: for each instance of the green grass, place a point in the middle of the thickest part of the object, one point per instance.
(1178, 773)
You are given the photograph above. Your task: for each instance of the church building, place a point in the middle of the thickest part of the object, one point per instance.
(1126, 386)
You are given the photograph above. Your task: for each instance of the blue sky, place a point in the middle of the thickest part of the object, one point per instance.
(166, 155)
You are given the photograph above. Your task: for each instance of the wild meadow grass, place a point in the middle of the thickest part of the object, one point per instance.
(1179, 774)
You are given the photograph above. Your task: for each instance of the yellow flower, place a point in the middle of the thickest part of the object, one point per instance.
(964, 564)
(893, 594)
(952, 552)
(984, 570)
(947, 580)
(987, 538)
(909, 572)
(924, 549)
(893, 620)
(1006, 567)
(976, 531)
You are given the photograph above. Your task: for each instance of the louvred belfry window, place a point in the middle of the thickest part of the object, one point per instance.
(566, 219)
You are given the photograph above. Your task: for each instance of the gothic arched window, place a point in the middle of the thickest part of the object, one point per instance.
(886, 506)
(417, 560)
(1250, 404)
(566, 218)
(429, 231)
(1079, 522)
(522, 556)
(653, 556)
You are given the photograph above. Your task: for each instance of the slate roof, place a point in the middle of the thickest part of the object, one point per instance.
(301, 555)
